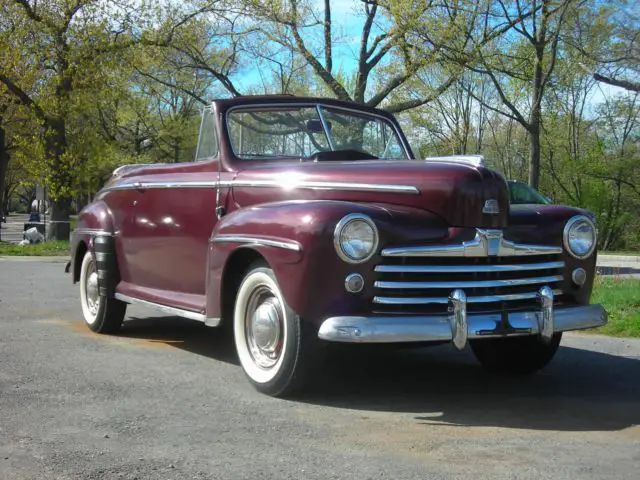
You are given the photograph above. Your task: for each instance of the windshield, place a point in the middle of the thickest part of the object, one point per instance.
(309, 132)
(523, 194)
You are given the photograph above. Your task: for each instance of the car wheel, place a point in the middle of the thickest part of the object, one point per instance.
(274, 351)
(516, 355)
(101, 314)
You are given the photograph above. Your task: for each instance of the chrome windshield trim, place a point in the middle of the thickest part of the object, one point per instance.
(471, 299)
(487, 243)
(325, 127)
(303, 104)
(468, 284)
(467, 268)
(163, 308)
(92, 231)
(267, 242)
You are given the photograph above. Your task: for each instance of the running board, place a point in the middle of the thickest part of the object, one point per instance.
(208, 321)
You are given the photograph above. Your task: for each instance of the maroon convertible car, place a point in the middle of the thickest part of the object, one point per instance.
(304, 221)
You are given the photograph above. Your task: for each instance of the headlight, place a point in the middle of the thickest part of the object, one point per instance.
(580, 236)
(355, 238)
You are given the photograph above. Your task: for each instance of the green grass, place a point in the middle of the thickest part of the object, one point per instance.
(52, 248)
(621, 298)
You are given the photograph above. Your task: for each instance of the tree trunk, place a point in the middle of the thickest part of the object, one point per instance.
(4, 163)
(534, 121)
(59, 227)
(534, 157)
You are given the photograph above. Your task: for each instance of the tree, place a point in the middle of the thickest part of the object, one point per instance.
(524, 61)
(606, 35)
(53, 52)
(4, 157)
(385, 61)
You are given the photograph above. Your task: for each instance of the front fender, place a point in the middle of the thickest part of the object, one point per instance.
(308, 270)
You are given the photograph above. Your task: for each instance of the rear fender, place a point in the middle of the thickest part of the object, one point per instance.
(94, 220)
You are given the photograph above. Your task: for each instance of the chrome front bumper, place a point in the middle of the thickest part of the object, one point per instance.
(458, 327)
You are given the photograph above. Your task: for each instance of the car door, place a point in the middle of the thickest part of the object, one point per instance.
(170, 225)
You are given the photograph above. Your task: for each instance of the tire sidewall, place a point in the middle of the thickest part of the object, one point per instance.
(92, 321)
(278, 377)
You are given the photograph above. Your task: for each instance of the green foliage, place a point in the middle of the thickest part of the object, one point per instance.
(621, 298)
(59, 248)
(86, 86)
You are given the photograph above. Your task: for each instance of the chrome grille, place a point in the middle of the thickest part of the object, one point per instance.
(422, 284)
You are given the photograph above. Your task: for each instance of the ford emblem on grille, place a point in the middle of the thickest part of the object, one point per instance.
(491, 207)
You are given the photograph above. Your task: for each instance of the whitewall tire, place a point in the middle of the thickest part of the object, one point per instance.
(273, 351)
(101, 314)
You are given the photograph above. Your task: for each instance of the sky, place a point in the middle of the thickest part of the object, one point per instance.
(347, 23)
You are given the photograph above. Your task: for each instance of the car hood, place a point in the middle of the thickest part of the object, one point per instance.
(461, 194)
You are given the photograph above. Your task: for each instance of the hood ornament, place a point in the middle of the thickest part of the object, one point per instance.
(491, 207)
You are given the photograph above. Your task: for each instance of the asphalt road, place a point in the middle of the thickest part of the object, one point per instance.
(165, 399)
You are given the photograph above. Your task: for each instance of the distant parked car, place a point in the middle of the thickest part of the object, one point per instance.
(521, 193)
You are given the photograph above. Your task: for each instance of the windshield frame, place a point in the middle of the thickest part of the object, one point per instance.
(318, 106)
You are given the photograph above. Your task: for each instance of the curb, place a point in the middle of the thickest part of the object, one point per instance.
(619, 258)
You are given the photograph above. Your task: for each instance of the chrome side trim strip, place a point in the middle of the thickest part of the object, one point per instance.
(163, 308)
(467, 268)
(470, 299)
(487, 243)
(424, 328)
(341, 186)
(224, 238)
(154, 185)
(92, 231)
(469, 284)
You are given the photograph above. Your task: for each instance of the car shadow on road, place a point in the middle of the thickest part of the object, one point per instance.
(187, 335)
(581, 390)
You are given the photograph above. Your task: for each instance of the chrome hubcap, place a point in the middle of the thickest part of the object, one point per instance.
(93, 294)
(264, 327)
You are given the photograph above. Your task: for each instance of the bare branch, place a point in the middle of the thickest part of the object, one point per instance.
(328, 55)
(409, 104)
